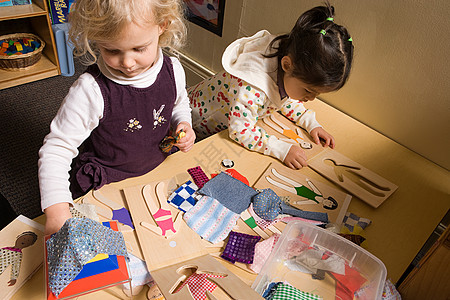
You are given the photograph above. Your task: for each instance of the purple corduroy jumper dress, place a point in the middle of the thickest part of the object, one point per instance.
(126, 142)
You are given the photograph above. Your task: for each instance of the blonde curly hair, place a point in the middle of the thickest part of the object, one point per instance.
(94, 21)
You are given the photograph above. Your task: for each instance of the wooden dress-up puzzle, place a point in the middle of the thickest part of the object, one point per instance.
(358, 180)
(304, 193)
(175, 255)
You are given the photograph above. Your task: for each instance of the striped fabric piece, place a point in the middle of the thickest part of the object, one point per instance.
(210, 219)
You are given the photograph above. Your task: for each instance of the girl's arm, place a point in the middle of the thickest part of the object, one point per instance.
(181, 114)
(78, 115)
(245, 110)
(296, 112)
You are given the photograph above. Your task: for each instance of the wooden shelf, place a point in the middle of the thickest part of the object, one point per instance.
(36, 15)
(42, 69)
(20, 11)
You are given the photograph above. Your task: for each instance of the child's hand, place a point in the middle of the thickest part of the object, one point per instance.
(185, 143)
(56, 215)
(296, 158)
(319, 133)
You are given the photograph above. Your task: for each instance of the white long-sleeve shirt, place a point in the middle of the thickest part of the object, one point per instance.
(80, 113)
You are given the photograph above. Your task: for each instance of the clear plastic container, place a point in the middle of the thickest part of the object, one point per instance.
(298, 234)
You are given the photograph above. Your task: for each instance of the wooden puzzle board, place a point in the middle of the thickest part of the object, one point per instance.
(375, 192)
(167, 278)
(158, 251)
(334, 216)
(287, 123)
(32, 256)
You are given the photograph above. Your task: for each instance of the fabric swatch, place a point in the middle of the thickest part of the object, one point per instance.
(262, 252)
(230, 192)
(182, 198)
(288, 292)
(350, 220)
(210, 219)
(240, 247)
(77, 242)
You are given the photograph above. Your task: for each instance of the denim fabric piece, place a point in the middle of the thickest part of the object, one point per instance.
(230, 192)
(310, 215)
(76, 243)
(267, 205)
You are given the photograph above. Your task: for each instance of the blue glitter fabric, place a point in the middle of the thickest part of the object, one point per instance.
(76, 243)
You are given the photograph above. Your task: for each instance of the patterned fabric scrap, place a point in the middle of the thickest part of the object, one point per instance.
(288, 292)
(229, 191)
(266, 204)
(262, 252)
(240, 247)
(198, 284)
(271, 289)
(10, 256)
(351, 220)
(198, 176)
(210, 219)
(76, 243)
(182, 198)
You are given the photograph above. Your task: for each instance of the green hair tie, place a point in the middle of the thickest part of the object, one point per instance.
(350, 40)
(330, 19)
(323, 32)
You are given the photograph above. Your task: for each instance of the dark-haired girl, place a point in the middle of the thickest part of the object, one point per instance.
(264, 74)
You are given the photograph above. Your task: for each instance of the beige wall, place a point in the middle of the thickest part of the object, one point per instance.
(399, 85)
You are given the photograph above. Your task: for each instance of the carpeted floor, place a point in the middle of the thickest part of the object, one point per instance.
(25, 115)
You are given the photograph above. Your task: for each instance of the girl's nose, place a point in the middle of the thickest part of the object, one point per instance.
(127, 62)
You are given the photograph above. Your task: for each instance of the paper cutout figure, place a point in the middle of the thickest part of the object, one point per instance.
(342, 171)
(166, 225)
(198, 282)
(314, 195)
(13, 255)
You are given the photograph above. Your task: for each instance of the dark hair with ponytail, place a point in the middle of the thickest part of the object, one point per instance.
(321, 50)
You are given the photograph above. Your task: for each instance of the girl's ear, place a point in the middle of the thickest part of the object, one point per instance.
(286, 64)
(162, 27)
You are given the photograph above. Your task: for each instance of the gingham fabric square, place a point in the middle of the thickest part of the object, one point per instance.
(350, 220)
(182, 198)
(288, 292)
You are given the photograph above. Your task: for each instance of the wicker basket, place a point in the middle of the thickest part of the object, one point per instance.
(23, 61)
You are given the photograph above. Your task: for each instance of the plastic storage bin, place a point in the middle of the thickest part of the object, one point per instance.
(365, 274)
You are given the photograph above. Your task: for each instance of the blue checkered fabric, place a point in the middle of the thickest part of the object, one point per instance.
(182, 198)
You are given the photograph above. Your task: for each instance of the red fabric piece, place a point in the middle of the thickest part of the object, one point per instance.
(198, 284)
(235, 174)
(348, 284)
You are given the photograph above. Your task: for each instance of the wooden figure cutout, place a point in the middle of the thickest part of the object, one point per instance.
(118, 212)
(358, 180)
(158, 251)
(314, 196)
(13, 255)
(199, 274)
(198, 281)
(107, 214)
(286, 131)
(161, 213)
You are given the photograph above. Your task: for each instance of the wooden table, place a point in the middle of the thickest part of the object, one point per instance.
(400, 227)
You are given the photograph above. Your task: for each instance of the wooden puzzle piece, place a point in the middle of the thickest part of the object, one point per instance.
(356, 179)
(157, 250)
(166, 225)
(322, 190)
(107, 213)
(250, 221)
(314, 196)
(228, 285)
(286, 131)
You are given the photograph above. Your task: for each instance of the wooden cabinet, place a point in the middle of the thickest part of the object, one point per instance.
(35, 19)
(430, 280)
